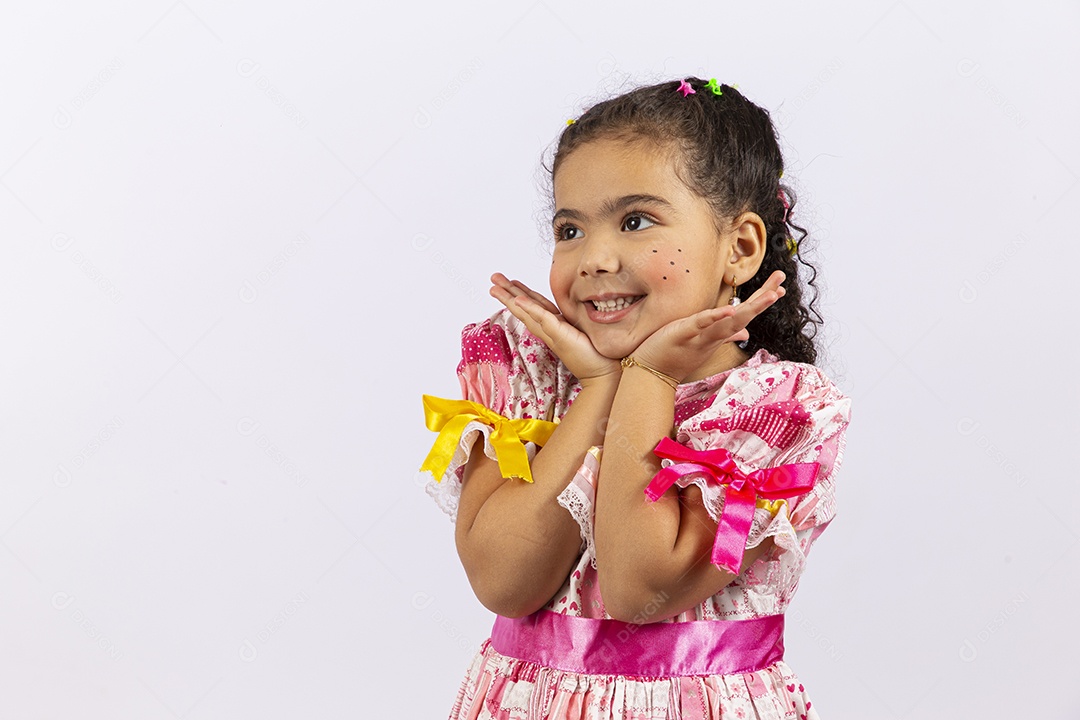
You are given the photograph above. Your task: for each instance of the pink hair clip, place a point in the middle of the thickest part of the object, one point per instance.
(685, 88)
(792, 245)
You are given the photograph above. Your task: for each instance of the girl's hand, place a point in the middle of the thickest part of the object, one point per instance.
(682, 346)
(544, 320)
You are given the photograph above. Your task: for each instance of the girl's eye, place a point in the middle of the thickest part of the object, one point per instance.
(567, 232)
(636, 222)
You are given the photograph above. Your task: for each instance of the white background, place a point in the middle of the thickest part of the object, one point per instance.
(240, 242)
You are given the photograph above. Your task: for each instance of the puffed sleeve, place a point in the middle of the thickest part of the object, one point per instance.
(770, 414)
(510, 371)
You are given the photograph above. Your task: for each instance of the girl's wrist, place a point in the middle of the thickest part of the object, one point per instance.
(609, 380)
(629, 362)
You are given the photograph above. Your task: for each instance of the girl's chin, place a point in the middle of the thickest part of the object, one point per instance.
(617, 340)
(613, 350)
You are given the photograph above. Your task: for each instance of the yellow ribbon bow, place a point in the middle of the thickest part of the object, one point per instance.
(449, 418)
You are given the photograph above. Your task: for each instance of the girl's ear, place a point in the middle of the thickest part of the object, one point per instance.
(748, 239)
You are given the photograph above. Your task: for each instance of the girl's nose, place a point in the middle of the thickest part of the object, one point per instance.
(599, 256)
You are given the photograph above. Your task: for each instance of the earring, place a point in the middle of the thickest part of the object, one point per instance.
(734, 292)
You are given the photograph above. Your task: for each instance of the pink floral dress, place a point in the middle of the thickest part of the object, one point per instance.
(766, 412)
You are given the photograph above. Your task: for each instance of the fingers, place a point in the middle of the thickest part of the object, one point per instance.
(498, 280)
(730, 321)
(522, 306)
(504, 294)
(560, 336)
(536, 317)
(708, 318)
(724, 324)
(518, 289)
(771, 285)
(537, 297)
(542, 323)
(770, 291)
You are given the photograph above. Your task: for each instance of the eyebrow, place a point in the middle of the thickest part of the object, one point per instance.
(613, 205)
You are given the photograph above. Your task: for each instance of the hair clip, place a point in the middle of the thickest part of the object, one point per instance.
(783, 198)
(792, 246)
(685, 88)
(714, 86)
(571, 121)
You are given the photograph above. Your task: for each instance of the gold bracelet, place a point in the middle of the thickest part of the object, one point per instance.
(629, 361)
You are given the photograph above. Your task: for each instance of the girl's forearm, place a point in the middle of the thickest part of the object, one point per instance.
(634, 535)
(527, 540)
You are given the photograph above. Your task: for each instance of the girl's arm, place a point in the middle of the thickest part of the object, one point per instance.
(516, 543)
(653, 559)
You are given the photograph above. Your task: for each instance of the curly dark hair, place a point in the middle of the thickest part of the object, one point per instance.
(729, 155)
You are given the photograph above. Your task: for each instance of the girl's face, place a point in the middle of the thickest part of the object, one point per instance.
(635, 248)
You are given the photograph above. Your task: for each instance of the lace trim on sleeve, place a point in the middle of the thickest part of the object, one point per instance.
(578, 499)
(790, 552)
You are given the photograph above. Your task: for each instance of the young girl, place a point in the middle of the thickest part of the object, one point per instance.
(639, 468)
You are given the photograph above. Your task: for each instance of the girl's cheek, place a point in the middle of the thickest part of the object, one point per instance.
(664, 267)
(559, 284)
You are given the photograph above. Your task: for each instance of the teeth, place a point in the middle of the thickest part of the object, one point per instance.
(616, 304)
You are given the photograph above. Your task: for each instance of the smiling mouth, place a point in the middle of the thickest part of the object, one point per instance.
(615, 304)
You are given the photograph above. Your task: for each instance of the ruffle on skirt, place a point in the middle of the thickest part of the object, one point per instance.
(497, 687)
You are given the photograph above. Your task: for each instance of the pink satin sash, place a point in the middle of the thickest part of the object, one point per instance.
(594, 646)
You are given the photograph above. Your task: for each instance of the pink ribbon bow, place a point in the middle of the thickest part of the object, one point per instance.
(740, 499)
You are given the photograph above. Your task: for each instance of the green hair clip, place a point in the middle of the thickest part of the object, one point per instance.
(714, 86)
